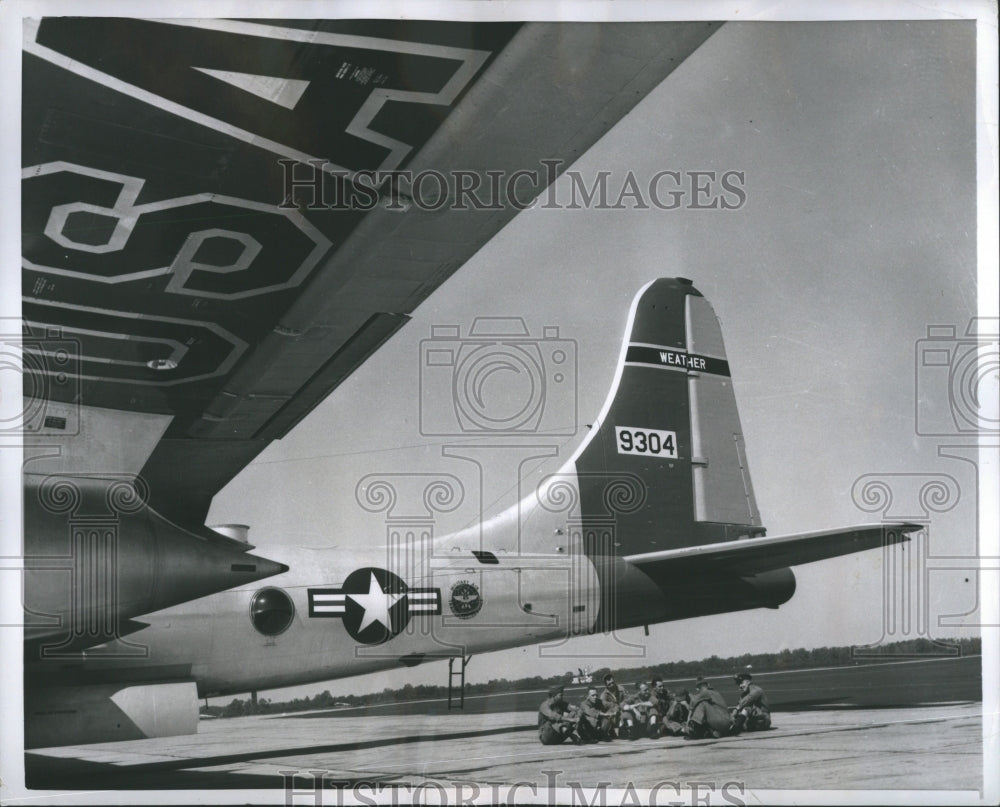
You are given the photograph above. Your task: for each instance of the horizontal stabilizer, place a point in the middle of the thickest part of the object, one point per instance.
(756, 555)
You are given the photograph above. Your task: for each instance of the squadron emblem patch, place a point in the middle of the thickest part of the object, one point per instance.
(375, 604)
(466, 600)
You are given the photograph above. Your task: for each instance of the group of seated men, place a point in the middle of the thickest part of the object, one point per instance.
(655, 712)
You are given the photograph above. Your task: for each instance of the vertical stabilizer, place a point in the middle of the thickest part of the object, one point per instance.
(669, 433)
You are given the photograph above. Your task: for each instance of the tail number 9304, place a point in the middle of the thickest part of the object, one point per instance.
(648, 442)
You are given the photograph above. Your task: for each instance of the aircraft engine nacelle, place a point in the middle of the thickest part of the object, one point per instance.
(702, 594)
(771, 589)
(97, 556)
(96, 713)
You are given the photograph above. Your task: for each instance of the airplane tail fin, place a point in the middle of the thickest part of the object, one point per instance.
(665, 466)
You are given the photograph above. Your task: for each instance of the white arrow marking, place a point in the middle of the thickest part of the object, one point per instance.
(286, 92)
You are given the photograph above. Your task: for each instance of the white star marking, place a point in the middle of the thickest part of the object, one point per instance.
(376, 604)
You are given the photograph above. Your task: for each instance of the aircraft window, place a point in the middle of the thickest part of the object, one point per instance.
(271, 611)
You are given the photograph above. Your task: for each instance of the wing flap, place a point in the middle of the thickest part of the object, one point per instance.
(756, 555)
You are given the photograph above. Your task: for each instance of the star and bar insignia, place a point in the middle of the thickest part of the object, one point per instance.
(375, 604)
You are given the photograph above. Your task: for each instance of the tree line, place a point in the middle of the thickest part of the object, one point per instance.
(712, 666)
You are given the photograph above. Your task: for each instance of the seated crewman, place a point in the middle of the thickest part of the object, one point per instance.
(709, 713)
(626, 719)
(593, 725)
(752, 713)
(612, 698)
(678, 712)
(556, 720)
(636, 712)
(660, 698)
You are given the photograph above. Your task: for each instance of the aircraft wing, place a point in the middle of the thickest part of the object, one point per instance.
(191, 283)
(755, 555)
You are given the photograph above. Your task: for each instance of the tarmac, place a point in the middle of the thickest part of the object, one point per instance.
(934, 747)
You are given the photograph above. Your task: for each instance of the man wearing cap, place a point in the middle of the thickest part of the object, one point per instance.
(594, 725)
(752, 713)
(612, 698)
(555, 719)
(709, 713)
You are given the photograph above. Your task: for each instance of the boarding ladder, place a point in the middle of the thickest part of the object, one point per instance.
(456, 700)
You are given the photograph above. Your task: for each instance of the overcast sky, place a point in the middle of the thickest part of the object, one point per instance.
(858, 145)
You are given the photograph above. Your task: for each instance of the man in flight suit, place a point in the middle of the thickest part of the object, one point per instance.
(637, 710)
(709, 713)
(594, 725)
(661, 698)
(752, 713)
(612, 698)
(556, 721)
(678, 712)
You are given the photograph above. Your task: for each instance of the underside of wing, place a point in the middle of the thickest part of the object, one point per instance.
(215, 230)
